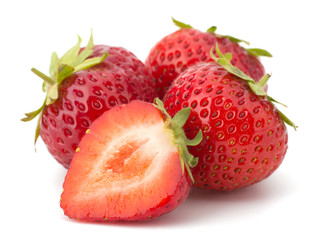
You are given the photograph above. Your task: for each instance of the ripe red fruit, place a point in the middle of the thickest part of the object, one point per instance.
(132, 164)
(244, 136)
(82, 85)
(177, 51)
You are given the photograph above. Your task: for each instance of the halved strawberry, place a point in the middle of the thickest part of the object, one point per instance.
(130, 165)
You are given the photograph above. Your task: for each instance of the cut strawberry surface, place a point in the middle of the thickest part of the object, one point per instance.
(127, 167)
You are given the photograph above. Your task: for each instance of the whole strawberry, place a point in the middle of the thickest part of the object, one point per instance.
(244, 135)
(177, 51)
(82, 85)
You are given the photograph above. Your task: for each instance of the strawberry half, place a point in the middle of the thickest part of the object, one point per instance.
(132, 164)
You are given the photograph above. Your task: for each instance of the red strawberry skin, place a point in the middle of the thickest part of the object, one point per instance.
(122, 171)
(177, 51)
(244, 138)
(85, 95)
(137, 74)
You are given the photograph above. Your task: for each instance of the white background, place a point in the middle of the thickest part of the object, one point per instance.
(282, 206)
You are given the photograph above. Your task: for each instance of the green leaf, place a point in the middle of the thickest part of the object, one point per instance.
(90, 42)
(181, 24)
(44, 87)
(83, 56)
(37, 129)
(187, 160)
(64, 71)
(182, 116)
(53, 69)
(273, 100)
(85, 53)
(212, 29)
(88, 63)
(160, 106)
(233, 39)
(287, 120)
(228, 56)
(187, 166)
(52, 94)
(32, 115)
(182, 161)
(194, 162)
(263, 81)
(224, 61)
(236, 40)
(258, 87)
(70, 56)
(257, 52)
(196, 140)
(44, 77)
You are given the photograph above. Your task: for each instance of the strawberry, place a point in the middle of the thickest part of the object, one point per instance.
(244, 135)
(132, 164)
(83, 84)
(177, 51)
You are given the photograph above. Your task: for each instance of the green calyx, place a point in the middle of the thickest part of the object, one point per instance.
(181, 24)
(233, 39)
(176, 124)
(256, 87)
(61, 68)
(257, 52)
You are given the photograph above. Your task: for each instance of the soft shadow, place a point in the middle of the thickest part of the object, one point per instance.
(60, 176)
(212, 207)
